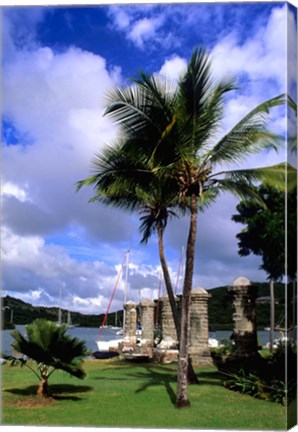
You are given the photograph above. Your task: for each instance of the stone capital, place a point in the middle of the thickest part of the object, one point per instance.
(200, 293)
(147, 303)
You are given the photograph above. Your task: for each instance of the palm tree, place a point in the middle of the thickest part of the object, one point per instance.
(50, 348)
(169, 140)
(136, 186)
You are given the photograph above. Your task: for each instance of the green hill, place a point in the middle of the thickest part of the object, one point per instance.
(220, 310)
(220, 307)
(25, 313)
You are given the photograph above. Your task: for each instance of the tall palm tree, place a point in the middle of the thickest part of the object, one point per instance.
(50, 348)
(169, 139)
(128, 182)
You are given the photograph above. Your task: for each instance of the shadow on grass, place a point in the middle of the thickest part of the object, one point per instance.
(211, 378)
(156, 378)
(123, 368)
(56, 391)
(149, 375)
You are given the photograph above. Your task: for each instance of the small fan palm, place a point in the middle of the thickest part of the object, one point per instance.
(50, 348)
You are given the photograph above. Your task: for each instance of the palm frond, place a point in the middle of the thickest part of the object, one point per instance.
(292, 104)
(207, 198)
(48, 344)
(241, 190)
(282, 176)
(142, 110)
(196, 83)
(248, 136)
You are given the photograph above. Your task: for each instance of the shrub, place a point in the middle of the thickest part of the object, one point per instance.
(47, 347)
(266, 379)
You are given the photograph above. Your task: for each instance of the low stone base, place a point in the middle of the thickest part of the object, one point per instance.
(126, 347)
(164, 355)
(144, 351)
(168, 343)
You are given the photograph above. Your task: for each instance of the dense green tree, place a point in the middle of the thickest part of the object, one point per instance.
(50, 348)
(168, 140)
(265, 235)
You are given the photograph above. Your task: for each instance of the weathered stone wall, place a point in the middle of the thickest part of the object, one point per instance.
(244, 317)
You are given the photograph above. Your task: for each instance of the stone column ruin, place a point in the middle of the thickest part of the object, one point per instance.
(147, 308)
(146, 343)
(244, 317)
(169, 335)
(130, 322)
(199, 328)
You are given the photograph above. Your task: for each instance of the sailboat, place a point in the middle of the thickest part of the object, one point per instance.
(69, 322)
(116, 326)
(107, 349)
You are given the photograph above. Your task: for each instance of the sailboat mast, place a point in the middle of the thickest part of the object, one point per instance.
(125, 290)
(182, 267)
(59, 311)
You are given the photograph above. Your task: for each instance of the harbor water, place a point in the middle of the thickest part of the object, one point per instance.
(90, 335)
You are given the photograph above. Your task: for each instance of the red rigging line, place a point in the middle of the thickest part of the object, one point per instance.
(112, 296)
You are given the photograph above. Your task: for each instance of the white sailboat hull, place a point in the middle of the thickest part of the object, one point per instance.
(108, 345)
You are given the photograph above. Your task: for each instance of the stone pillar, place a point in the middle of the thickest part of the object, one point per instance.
(199, 328)
(130, 321)
(244, 317)
(169, 335)
(147, 314)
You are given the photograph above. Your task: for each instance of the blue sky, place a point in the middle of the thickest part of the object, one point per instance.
(58, 64)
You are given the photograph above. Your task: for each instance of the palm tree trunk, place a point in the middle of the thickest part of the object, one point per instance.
(182, 396)
(272, 317)
(167, 279)
(191, 376)
(294, 315)
(43, 389)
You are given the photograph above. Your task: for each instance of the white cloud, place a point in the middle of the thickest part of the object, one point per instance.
(57, 99)
(260, 57)
(121, 18)
(142, 25)
(144, 29)
(11, 190)
(36, 271)
(173, 68)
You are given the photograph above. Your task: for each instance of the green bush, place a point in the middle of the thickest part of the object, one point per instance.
(248, 383)
(267, 380)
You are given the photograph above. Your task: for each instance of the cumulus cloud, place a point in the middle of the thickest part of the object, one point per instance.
(144, 29)
(142, 25)
(53, 103)
(56, 98)
(173, 68)
(261, 57)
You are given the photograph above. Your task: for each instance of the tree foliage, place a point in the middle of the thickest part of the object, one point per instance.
(265, 230)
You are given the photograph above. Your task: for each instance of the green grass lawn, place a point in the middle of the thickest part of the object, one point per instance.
(117, 393)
